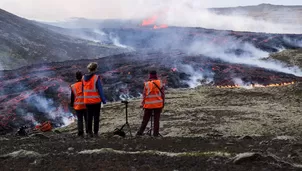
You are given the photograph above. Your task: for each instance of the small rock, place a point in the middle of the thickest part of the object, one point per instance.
(117, 136)
(70, 149)
(264, 143)
(39, 135)
(247, 137)
(245, 157)
(3, 139)
(37, 162)
(57, 131)
(285, 138)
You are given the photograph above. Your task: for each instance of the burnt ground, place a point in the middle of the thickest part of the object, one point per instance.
(105, 153)
(31, 95)
(203, 129)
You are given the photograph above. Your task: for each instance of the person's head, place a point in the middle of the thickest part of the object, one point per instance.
(92, 67)
(79, 75)
(152, 74)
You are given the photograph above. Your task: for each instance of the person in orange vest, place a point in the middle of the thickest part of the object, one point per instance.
(153, 102)
(77, 102)
(93, 97)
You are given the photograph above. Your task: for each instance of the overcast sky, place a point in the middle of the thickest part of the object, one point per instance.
(54, 10)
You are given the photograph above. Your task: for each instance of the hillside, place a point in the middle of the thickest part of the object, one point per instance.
(267, 12)
(295, 57)
(24, 43)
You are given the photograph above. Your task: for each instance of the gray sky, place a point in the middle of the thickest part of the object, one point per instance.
(54, 10)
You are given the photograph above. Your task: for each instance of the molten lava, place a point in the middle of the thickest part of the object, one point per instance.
(152, 21)
(161, 26)
(257, 85)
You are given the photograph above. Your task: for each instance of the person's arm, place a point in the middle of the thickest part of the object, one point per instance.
(163, 94)
(71, 99)
(100, 89)
(144, 96)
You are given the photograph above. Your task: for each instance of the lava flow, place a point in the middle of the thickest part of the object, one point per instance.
(152, 21)
(257, 85)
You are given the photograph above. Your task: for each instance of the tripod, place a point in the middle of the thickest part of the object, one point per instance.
(127, 123)
(149, 132)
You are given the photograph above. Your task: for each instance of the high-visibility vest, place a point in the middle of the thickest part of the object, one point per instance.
(77, 90)
(153, 97)
(91, 93)
(44, 127)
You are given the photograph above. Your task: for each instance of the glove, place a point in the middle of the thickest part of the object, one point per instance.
(104, 102)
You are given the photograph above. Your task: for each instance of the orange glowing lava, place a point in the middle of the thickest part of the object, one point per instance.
(152, 21)
(149, 21)
(258, 85)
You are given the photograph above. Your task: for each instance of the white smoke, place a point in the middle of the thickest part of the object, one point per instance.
(48, 107)
(253, 56)
(241, 83)
(190, 16)
(187, 13)
(196, 76)
(297, 42)
(30, 117)
(115, 40)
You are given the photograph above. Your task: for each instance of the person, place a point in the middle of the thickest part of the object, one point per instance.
(152, 103)
(93, 97)
(77, 102)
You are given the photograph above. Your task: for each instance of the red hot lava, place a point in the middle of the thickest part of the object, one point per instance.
(152, 21)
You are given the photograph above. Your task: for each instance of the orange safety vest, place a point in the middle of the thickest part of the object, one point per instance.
(91, 93)
(153, 97)
(76, 88)
(44, 127)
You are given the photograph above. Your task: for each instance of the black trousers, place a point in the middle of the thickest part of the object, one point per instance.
(82, 116)
(94, 111)
(147, 115)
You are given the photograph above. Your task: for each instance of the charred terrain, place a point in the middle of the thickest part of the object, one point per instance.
(230, 104)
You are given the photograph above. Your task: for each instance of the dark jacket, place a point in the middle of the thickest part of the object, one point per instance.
(98, 86)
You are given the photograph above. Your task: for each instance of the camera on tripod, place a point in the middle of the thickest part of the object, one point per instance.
(125, 101)
(119, 131)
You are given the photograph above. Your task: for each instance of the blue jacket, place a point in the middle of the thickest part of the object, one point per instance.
(98, 86)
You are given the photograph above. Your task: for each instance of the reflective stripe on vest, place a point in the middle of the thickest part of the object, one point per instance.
(153, 97)
(78, 94)
(91, 93)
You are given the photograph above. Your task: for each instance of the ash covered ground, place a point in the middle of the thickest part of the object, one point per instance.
(204, 129)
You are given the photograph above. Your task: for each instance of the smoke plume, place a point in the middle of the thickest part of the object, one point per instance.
(251, 56)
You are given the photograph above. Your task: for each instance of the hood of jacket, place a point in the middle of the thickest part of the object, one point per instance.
(88, 76)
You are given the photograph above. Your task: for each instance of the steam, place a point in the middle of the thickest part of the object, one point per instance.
(49, 108)
(30, 117)
(115, 40)
(239, 81)
(190, 16)
(197, 78)
(187, 13)
(252, 55)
